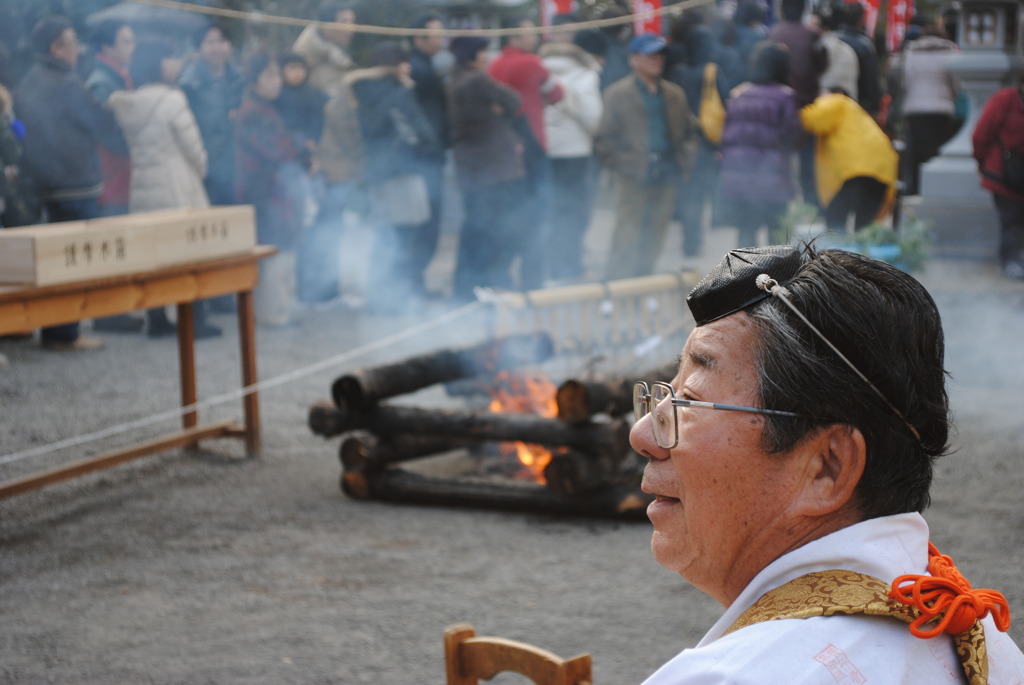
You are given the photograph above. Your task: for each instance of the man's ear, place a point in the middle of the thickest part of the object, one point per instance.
(835, 459)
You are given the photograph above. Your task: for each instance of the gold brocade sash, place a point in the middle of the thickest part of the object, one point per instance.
(846, 593)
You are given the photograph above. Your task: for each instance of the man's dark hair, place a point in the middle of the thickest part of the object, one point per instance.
(853, 14)
(769, 63)
(793, 10)
(888, 326)
(147, 63)
(748, 13)
(106, 33)
(329, 11)
(46, 32)
(465, 48)
(421, 21)
(200, 35)
(831, 16)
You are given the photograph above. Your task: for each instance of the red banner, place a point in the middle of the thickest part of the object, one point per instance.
(645, 21)
(897, 19)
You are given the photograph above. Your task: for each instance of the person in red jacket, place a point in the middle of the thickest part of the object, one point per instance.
(519, 68)
(999, 132)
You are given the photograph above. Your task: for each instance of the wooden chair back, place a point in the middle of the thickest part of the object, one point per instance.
(469, 658)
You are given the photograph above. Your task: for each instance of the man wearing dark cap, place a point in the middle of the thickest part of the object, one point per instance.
(646, 141)
(790, 458)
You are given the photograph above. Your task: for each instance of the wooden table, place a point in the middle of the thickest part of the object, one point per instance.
(24, 309)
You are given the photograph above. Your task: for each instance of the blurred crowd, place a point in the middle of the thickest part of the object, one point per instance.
(724, 121)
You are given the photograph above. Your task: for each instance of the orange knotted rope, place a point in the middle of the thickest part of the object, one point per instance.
(948, 599)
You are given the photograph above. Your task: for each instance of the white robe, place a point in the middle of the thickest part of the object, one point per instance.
(838, 649)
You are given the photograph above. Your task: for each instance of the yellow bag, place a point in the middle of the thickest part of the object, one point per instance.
(712, 111)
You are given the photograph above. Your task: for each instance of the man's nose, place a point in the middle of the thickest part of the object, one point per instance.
(641, 438)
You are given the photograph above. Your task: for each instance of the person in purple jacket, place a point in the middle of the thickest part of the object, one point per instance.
(762, 130)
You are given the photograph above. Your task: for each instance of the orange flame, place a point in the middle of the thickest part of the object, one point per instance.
(521, 395)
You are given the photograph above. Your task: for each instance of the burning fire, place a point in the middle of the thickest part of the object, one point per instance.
(522, 394)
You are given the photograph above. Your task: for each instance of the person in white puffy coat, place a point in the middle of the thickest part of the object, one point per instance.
(168, 157)
(167, 154)
(570, 126)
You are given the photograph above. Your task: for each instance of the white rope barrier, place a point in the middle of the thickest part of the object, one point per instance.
(224, 398)
(264, 18)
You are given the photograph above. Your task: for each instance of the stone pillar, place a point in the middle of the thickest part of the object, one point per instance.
(964, 219)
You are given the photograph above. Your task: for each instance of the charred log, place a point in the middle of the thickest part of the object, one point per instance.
(367, 451)
(574, 473)
(396, 485)
(580, 400)
(325, 419)
(362, 389)
(611, 438)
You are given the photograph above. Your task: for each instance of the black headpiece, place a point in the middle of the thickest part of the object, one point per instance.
(731, 286)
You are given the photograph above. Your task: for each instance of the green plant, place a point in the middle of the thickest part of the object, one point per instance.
(906, 248)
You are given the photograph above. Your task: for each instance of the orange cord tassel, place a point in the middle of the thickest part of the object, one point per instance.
(946, 598)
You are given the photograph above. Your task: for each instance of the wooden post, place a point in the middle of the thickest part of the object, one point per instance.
(247, 343)
(187, 363)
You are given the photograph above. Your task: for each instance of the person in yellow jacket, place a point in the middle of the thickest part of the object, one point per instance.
(855, 162)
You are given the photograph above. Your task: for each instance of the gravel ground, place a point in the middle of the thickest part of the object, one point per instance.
(207, 567)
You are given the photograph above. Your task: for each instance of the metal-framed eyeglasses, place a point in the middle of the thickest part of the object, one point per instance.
(659, 400)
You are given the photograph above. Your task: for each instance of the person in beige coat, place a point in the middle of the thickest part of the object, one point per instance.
(325, 47)
(167, 154)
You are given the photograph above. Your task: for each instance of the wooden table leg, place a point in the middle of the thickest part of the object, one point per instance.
(247, 343)
(187, 363)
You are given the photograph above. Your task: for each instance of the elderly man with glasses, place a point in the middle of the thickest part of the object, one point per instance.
(790, 458)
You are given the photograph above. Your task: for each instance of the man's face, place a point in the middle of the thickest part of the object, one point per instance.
(215, 48)
(123, 48)
(720, 496)
(341, 36)
(648, 66)
(65, 48)
(432, 44)
(527, 42)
